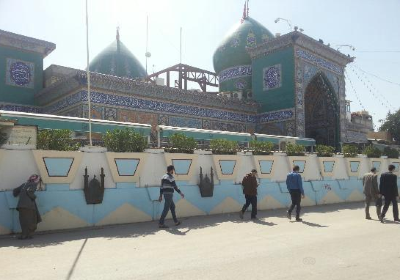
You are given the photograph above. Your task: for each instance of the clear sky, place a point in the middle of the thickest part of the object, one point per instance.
(371, 26)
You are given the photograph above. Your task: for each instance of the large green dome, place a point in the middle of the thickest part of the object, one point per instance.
(231, 60)
(117, 60)
(232, 50)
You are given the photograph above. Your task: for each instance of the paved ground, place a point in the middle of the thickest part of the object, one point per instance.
(333, 242)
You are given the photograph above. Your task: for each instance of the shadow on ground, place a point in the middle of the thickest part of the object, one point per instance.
(148, 228)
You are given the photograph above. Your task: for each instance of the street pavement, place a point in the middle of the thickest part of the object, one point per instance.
(333, 242)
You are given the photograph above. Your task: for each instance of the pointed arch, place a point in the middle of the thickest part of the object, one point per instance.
(322, 111)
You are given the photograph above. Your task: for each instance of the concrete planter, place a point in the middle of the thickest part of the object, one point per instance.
(126, 167)
(185, 165)
(93, 149)
(57, 167)
(226, 166)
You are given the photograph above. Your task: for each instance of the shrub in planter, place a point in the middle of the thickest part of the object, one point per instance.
(389, 152)
(349, 151)
(261, 147)
(325, 151)
(124, 140)
(56, 139)
(372, 152)
(180, 143)
(224, 147)
(295, 150)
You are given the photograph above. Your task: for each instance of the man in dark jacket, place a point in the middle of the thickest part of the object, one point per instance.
(29, 215)
(250, 186)
(168, 185)
(294, 185)
(388, 189)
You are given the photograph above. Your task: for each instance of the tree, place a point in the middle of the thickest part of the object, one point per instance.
(392, 125)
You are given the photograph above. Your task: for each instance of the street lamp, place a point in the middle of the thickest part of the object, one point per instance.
(349, 46)
(285, 20)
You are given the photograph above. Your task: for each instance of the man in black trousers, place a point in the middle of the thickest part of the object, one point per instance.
(250, 186)
(294, 185)
(388, 189)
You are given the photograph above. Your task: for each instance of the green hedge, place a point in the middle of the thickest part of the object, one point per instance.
(325, 151)
(349, 151)
(261, 147)
(124, 140)
(390, 152)
(372, 152)
(56, 139)
(224, 147)
(295, 150)
(180, 143)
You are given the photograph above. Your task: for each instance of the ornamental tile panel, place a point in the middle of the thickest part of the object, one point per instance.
(316, 60)
(235, 72)
(276, 116)
(20, 73)
(20, 108)
(149, 105)
(110, 114)
(127, 116)
(147, 118)
(272, 77)
(163, 119)
(185, 122)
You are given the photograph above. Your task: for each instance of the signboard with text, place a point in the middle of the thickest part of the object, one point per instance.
(22, 135)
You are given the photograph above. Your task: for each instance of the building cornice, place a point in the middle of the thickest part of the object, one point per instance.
(299, 39)
(25, 43)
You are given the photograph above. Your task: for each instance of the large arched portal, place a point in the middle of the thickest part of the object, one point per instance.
(321, 112)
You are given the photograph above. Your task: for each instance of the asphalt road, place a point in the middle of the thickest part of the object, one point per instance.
(333, 242)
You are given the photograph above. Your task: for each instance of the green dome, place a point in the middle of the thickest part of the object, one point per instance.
(117, 60)
(232, 51)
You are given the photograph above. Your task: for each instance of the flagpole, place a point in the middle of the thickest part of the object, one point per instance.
(180, 45)
(88, 75)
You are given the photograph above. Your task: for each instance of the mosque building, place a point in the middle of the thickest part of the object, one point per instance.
(288, 84)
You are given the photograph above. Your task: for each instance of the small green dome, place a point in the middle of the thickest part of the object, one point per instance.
(232, 51)
(117, 60)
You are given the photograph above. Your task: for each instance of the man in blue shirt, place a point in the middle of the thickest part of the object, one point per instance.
(168, 186)
(295, 187)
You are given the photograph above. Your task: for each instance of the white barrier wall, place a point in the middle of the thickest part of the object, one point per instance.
(132, 183)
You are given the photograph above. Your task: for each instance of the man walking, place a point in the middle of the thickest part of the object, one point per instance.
(250, 186)
(388, 189)
(29, 215)
(295, 187)
(371, 192)
(168, 186)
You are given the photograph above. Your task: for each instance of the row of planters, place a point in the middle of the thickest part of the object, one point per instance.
(127, 140)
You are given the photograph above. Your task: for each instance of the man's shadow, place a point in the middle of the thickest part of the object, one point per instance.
(264, 223)
(309, 224)
(176, 231)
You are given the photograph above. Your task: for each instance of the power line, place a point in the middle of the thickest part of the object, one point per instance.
(382, 79)
(378, 51)
(388, 106)
(354, 90)
(358, 98)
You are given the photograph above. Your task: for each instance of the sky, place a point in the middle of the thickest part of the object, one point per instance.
(371, 26)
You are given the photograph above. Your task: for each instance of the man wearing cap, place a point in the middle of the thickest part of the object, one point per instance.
(294, 185)
(250, 186)
(371, 192)
(168, 186)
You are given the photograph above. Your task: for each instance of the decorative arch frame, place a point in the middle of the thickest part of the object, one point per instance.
(307, 66)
